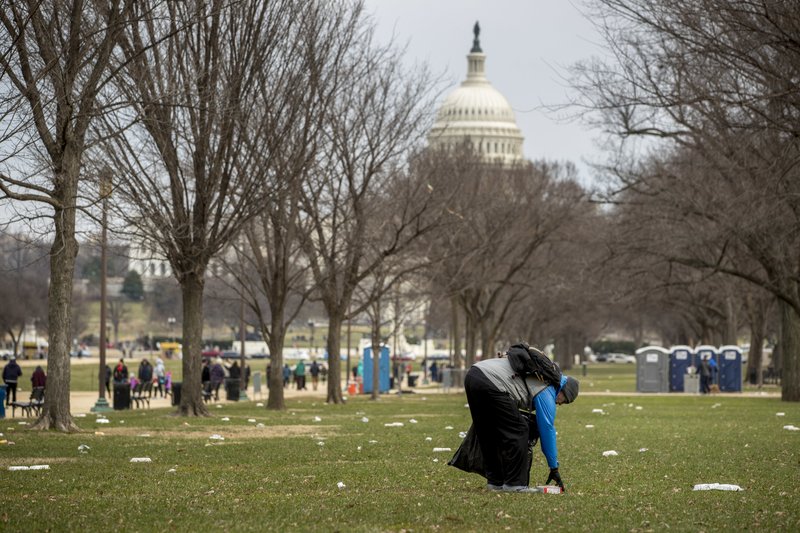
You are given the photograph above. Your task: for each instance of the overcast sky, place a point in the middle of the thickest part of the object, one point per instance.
(528, 46)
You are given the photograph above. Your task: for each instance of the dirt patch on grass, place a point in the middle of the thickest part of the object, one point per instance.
(6, 462)
(238, 432)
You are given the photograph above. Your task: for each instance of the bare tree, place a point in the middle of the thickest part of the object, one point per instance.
(54, 62)
(188, 175)
(715, 83)
(117, 312)
(379, 114)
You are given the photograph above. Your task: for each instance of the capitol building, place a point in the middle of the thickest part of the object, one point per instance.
(477, 113)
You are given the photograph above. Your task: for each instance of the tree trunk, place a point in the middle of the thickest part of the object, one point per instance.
(756, 356)
(487, 341)
(334, 362)
(56, 409)
(192, 285)
(790, 353)
(275, 399)
(731, 332)
(456, 333)
(470, 339)
(376, 352)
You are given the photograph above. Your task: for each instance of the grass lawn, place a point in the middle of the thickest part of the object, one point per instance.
(283, 476)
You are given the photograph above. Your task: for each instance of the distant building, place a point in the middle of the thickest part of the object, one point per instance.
(477, 113)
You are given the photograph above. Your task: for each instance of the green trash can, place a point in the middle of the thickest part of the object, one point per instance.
(232, 389)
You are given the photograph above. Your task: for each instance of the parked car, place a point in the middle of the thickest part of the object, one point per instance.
(619, 358)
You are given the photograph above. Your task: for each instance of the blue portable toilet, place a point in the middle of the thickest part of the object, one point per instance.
(729, 359)
(680, 359)
(711, 351)
(383, 370)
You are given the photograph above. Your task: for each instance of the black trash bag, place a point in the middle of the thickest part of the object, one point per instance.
(468, 456)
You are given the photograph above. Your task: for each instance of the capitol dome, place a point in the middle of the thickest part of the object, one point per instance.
(477, 113)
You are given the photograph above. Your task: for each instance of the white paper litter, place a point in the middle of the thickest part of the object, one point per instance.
(394, 425)
(23, 423)
(436, 460)
(83, 448)
(639, 407)
(716, 486)
(216, 436)
(171, 471)
(15, 468)
(780, 414)
(80, 415)
(259, 404)
(716, 405)
(463, 434)
(609, 453)
(642, 450)
(466, 405)
(589, 426)
(40, 467)
(144, 434)
(219, 406)
(102, 421)
(317, 419)
(341, 485)
(442, 450)
(412, 421)
(448, 427)
(225, 419)
(260, 425)
(791, 428)
(320, 443)
(597, 411)
(358, 448)
(141, 460)
(428, 439)
(253, 420)
(372, 442)
(364, 419)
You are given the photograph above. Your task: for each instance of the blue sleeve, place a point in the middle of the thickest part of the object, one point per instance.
(545, 405)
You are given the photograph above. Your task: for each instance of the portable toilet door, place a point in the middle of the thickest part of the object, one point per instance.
(730, 369)
(680, 359)
(711, 351)
(383, 370)
(652, 369)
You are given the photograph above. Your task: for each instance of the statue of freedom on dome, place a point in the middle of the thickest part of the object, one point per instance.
(476, 43)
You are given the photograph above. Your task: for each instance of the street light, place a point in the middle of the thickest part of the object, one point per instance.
(171, 321)
(101, 404)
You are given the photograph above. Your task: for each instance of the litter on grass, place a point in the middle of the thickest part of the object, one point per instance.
(642, 450)
(428, 439)
(442, 450)
(171, 471)
(364, 419)
(341, 485)
(317, 419)
(32, 467)
(639, 407)
(259, 404)
(141, 460)
(260, 425)
(144, 434)
(373, 442)
(412, 421)
(320, 443)
(102, 421)
(252, 420)
(448, 427)
(216, 436)
(394, 425)
(225, 419)
(597, 411)
(609, 453)
(780, 414)
(716, 486)
(83, 448)
(589, 426)
(791, 428)
(462, 434)
(80, 415)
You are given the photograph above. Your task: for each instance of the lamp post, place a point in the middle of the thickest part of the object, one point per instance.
(311, 325)
(242, 339)
(171, 321)
(101, 404)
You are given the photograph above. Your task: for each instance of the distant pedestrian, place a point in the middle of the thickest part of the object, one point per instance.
(704, 371)
(38, 378)
(120, 372)
(300, 375)
(11, 373)
(314, 371)
(286, 373)
(217, 377)
(108, 379)
(160, 373)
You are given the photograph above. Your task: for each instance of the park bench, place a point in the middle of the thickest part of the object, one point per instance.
(34, 404)
(141, 394)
